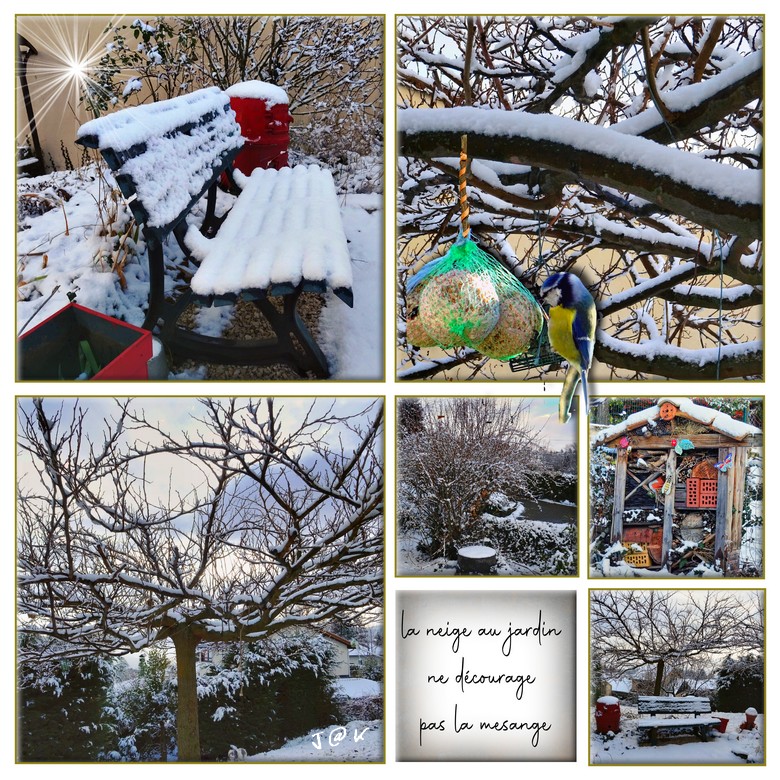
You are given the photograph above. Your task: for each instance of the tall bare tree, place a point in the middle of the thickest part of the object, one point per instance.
(633, 629)
(130, 534)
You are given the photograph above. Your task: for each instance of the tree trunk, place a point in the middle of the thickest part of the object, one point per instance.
(187, 733)
(659, 677)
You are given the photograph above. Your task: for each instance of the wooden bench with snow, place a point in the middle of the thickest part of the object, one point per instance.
(675, 715)
(283, 236)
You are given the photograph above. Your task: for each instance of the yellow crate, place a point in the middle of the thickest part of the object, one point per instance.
(639, 559)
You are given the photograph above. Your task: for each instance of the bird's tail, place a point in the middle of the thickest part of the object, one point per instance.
(584, 380)
(570, 382)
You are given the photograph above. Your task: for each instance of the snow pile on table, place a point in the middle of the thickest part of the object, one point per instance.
(476, 551)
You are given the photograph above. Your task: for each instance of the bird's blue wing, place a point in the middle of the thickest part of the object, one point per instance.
(584, 331)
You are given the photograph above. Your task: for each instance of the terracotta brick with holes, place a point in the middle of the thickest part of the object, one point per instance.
(701, 493)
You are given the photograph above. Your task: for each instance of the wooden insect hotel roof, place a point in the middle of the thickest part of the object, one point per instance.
(718, 422)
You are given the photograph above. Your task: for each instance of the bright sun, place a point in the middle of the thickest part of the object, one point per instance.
(68, 54)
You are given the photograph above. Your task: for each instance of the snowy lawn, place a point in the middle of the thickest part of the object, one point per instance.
(357, 741)
(357, 687)
(74, 245)
(733, 747)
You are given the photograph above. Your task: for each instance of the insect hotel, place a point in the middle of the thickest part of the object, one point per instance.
(680, 475)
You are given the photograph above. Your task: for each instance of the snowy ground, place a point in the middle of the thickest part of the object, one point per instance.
(621, 569)
(351, 338)
(357, 741)
(65, 250)
(733, 747)
(357, 687)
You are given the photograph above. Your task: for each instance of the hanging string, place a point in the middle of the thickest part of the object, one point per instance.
(462, 194)
(539, 263)
(720, 303)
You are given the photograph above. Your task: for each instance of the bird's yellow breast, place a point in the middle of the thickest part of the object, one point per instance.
(561, 338)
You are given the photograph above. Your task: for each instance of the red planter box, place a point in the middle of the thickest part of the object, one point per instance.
(50, 350)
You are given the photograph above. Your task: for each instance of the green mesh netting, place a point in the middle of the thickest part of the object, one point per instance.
(470, 299)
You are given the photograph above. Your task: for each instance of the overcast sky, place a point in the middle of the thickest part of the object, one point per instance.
(185, 415)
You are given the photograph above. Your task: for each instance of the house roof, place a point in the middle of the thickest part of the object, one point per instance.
(621, 685)
(719, 422)
(336, 638)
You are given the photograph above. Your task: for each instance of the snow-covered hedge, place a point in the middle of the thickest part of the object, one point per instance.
(266, 693)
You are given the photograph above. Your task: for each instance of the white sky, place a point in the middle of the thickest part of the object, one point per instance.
(182, 415)
(543, 417)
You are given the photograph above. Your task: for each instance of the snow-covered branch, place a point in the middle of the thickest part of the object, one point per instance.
(705, 192)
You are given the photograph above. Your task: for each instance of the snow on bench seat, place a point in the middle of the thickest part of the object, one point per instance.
(653, 723)
(284, 232)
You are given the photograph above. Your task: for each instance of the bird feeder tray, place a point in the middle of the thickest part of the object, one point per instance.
(539, 353)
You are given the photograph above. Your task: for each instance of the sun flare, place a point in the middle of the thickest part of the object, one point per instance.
(68, 55)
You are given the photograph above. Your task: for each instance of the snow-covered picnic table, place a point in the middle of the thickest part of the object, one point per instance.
(282, 237)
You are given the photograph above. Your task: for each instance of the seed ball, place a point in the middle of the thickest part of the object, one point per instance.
(416, 334)
(518, 323)
(459, 308)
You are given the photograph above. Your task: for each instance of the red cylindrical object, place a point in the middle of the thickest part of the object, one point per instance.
(266, 132)
(722, 726)
(750, 719)
(607, 715)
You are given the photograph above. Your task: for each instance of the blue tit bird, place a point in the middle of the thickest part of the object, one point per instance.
(572, 333)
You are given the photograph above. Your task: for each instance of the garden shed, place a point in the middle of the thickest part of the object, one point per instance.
(680, 468)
